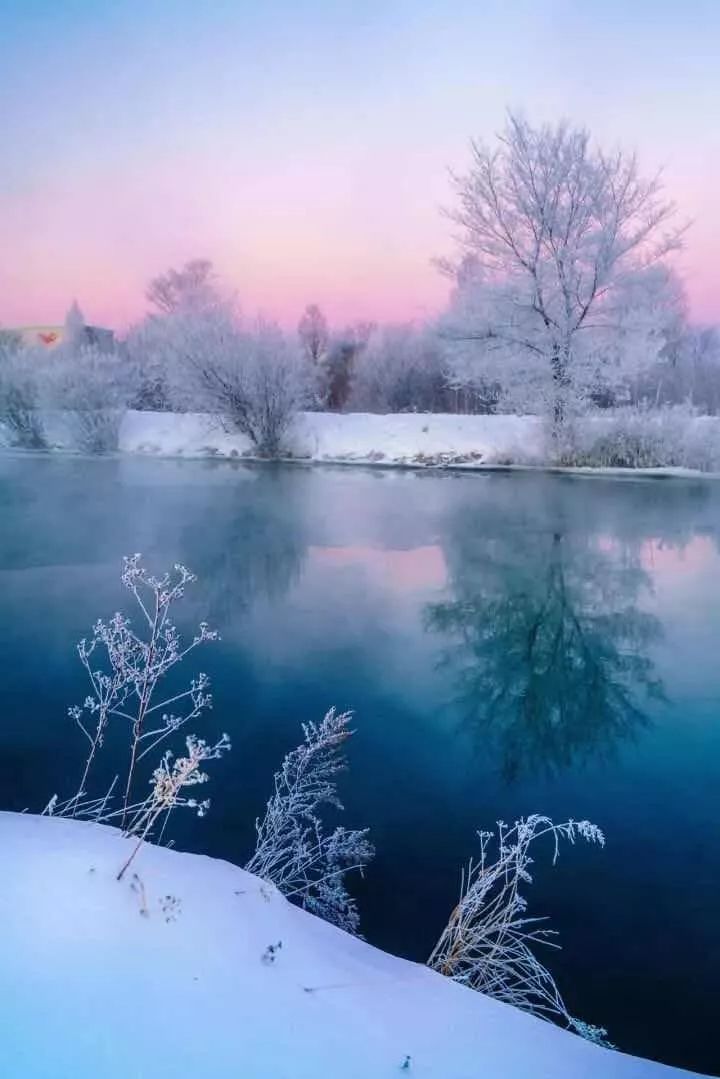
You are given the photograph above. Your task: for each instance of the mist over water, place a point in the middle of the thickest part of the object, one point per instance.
(509, 643)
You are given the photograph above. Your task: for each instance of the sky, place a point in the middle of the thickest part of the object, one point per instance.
(305, 146)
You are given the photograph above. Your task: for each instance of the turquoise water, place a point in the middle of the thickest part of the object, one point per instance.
(510, 643)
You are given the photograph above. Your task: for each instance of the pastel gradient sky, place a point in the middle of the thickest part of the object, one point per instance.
(304, 145)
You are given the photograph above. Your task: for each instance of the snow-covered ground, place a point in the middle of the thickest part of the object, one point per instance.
(402, 438)
(167, 975)
(691, 444)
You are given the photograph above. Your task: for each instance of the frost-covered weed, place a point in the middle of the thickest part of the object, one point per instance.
(125, 668)
(130, 667)
(168, 782)
(487, 942)
(292, 850)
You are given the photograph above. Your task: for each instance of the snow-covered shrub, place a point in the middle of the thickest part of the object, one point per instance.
(209, 361)
(93, 386)
(292, 849)
(629, 438)
(488, 940)
(20, 417)
(701, 444)
(260, 388)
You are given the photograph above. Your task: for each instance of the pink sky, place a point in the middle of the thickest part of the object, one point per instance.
(304, 147)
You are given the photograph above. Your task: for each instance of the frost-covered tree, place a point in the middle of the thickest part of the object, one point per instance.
(564, 264)
(293, 851)
(314, 338)
(198, 354)
(10, 340)
(687, 371)
(402, 368)
(313, 333)
(248, 374)
(191, 288)
(340, 362)
(177, 297)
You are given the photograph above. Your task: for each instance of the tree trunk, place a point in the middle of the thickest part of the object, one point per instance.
(561, 384)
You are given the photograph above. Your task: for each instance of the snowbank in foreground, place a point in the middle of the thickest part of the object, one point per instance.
(402, 438)
(164, 976)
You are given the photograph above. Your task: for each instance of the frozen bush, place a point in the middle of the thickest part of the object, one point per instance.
(195, 354)
(701, 444)
(629, 438)
(93, 387)
(210, 362)
(20, 417)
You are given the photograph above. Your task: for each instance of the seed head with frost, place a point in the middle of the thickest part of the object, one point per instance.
(168, 782)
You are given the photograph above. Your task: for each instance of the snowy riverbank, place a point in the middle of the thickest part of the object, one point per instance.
(433, 439)
(662, 443)
(164, 976)
(404, 438)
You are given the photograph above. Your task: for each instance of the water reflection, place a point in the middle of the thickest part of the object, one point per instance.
(542, 604)
(546, 636)
(262, 544)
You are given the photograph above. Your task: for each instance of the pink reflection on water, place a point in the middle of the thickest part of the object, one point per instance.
(695, 555)
(399, 570)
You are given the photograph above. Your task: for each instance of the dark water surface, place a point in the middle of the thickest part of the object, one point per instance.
(510, 643)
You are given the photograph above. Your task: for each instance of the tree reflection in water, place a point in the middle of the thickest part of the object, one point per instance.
(547, 638)
(263, 544)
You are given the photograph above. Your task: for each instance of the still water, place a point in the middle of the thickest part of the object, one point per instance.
(509, 643)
